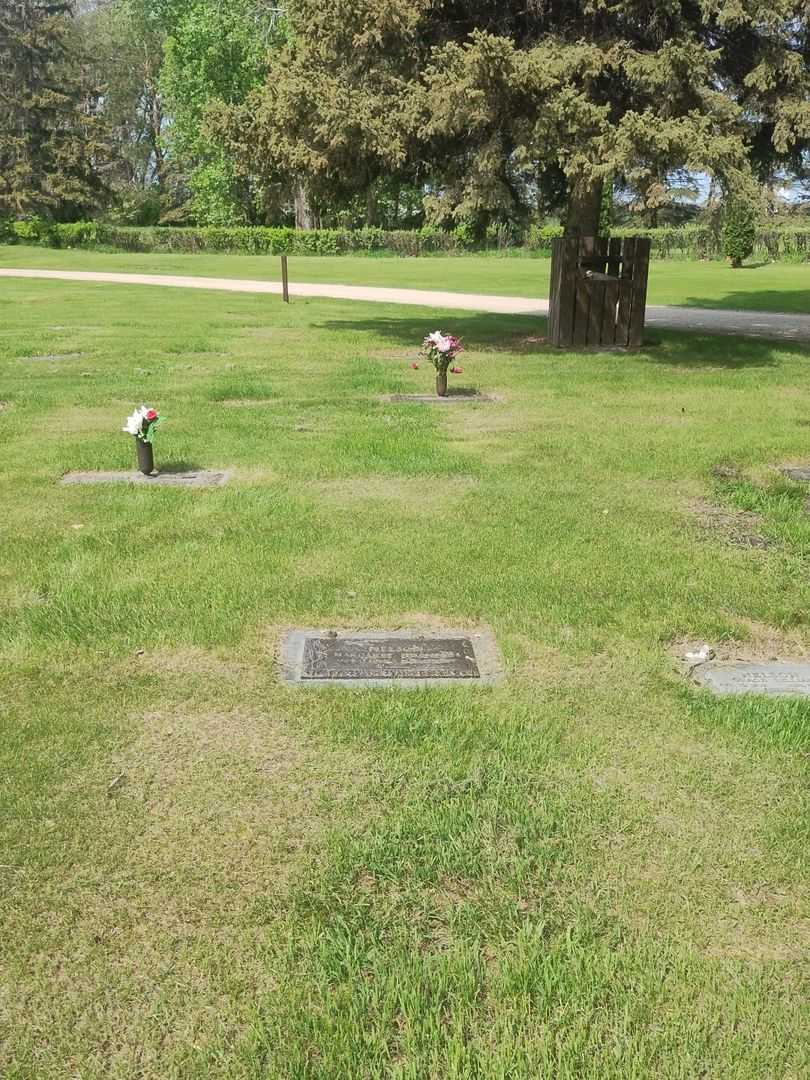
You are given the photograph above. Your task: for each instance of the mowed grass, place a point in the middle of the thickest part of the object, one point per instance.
(594, 870)
(757, 287)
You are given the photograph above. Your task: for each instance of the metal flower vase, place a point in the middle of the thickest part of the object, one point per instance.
(146, 457)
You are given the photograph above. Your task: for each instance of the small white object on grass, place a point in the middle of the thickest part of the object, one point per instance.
(116, 784)
(704, 653)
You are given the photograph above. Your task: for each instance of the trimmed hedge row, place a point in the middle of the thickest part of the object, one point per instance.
(788, 242)
(248, 240)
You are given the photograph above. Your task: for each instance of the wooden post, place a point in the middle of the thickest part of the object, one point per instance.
(285, 281)
(625, 307)
(641, 271)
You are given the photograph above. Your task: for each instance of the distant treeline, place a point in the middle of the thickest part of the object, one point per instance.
(785, 242)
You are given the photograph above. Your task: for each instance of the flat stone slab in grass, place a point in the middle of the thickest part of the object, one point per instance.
(193, 478)
(57, 356)
(743, 677)
(400, 658)
(802, 474)
(454, 397)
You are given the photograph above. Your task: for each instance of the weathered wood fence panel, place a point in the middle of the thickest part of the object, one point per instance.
(598, 291)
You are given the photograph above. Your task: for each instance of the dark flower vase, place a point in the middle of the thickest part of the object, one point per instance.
(441, 383)
(146, 457)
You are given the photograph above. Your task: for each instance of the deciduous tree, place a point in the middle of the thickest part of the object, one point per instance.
(215, 53)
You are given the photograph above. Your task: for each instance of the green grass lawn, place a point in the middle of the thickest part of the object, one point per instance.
(591, 871)
(774, 287)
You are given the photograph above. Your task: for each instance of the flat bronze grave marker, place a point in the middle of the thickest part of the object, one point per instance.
(390, 658)
(194, 478)
(454, 397)
(802, 474)
(742, 677)
(53, 357)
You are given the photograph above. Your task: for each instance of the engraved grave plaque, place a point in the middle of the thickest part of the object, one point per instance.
(393, 658)
(772, 679)
(798, 473)
(407, 659)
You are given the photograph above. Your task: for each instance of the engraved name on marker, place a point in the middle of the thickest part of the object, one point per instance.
(372, 658)
(751, 678)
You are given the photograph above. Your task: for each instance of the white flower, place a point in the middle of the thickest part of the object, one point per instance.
(439, 341)
(134, 423)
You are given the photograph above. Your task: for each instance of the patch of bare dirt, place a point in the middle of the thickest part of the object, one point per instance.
(762, 906)
(757, 642)
(772, 640)
(737, 527)
(426, 620)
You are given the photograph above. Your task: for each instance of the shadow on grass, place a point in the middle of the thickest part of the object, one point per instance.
(178, 466)
(688, 349)
(759, 301)
(524, 335)
(488, 331)
(462, 392)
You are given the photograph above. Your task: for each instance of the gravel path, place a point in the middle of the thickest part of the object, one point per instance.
(709, 321)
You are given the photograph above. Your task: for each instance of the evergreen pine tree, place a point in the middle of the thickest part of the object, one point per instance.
(739, 230)
(481, 99)
(52, 150)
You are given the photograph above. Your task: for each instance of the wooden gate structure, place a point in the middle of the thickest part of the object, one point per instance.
(598, 291)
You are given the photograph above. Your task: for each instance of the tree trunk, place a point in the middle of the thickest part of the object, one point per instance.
(584, 208)
(303, 209)
(371, 205)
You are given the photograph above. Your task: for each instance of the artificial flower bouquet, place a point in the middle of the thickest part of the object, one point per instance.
(441, 350)
(142, 424)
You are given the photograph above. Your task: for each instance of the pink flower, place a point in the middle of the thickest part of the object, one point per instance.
(436, 339)
(415, 366)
